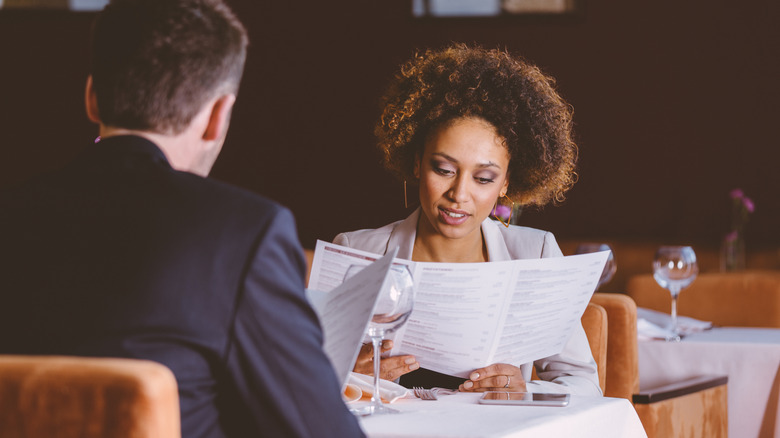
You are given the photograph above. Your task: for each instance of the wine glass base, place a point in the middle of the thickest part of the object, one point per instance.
(674, 338)
(372, 409)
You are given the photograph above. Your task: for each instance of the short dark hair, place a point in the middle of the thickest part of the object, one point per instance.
(156, 62)
(438, 87)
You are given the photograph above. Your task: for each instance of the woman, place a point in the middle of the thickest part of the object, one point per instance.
(473, 128)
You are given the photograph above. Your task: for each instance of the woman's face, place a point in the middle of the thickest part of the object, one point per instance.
(462, 171)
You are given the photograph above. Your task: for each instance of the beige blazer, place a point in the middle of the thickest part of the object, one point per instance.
(573, 370)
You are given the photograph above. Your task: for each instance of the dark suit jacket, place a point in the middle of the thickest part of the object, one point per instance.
(120, 255)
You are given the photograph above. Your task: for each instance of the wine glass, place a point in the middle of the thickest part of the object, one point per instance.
(609, 268)
(675, 268)
(392, 309)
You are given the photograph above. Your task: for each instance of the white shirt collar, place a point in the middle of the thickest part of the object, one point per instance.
(404, 233)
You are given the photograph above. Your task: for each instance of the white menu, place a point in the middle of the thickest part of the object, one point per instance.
(470, 315)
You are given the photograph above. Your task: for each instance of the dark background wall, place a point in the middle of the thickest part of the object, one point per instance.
(676, 103)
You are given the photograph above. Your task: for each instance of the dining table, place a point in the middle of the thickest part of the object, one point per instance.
(461, 416)
(750, 357)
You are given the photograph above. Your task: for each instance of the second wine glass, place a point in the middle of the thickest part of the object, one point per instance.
(609, 268)
(675, 268)
(393, 307)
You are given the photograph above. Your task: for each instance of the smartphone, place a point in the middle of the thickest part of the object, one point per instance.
(523, 399)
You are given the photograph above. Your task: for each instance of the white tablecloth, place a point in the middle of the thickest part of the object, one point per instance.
(460, 416)
(749, 356)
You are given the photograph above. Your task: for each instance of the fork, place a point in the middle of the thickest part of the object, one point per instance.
(431, 394)
(424, 394)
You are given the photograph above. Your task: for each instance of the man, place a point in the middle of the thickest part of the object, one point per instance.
(131, 252)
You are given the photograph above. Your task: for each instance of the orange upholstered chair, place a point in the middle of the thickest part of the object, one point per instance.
(622, 376)
(735, 299)
(696, 407)
(595, 323)
(693, 407)
(70, 397)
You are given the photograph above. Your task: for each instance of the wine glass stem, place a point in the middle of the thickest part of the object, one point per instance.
(376, 399)
(675, 330)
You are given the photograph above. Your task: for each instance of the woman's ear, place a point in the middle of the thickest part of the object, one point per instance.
(417, 166)
(90, 102)
(505, 187)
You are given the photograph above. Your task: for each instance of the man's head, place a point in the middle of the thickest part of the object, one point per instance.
(156, 63)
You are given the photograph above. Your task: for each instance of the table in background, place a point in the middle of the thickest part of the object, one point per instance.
(749, 356)
(460, 416)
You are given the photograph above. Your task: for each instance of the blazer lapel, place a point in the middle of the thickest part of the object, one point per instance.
(495, 242)
(403, 236)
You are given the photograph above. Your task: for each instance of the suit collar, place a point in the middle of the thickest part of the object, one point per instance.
(128, 146)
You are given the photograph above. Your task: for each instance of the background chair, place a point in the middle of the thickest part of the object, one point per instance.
(693, 407)
(86, 397)
(594, 321)
(735, 299)
(596, 326)
(622, 374)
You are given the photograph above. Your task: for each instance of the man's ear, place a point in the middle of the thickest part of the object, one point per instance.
(90, 102)
(219, 117)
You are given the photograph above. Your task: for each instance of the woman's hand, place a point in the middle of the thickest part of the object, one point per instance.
(390, 368)
(496, 377)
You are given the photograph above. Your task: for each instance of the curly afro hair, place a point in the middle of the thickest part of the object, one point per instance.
(437, 87)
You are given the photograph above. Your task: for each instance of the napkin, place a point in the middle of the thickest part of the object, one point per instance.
(652, 324)
(388, 391)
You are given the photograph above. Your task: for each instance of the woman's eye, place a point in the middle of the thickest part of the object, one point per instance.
(442, 171)
(483, 180)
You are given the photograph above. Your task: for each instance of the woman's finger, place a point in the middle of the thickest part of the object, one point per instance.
(390, 368)
(496, 377)
(396, 366)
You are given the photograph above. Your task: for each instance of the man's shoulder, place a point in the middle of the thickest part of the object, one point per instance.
(215, 194)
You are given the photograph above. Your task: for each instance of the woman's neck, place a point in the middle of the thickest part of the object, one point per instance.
(433, 247)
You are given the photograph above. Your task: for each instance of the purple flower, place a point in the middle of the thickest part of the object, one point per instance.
(732, 236)
(736, 194)
(748, 203)
(502, 211)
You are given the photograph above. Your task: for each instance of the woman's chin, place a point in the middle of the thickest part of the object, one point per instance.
(455, 231)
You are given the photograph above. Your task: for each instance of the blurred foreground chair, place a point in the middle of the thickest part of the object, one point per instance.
(86, 397)
(693, 407)
(733, 299)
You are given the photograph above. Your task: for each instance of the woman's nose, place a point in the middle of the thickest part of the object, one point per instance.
(459, 190)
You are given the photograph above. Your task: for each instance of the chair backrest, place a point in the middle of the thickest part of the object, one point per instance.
(735, 299)
(309, 254)
(595, 323)
(48, 396)
(622, 376)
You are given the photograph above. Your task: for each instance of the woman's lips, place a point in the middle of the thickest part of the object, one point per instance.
(452, 217)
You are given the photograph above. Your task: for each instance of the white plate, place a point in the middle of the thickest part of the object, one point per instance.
(389, 391)
(351, 393)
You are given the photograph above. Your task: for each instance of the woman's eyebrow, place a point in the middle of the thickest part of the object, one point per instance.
(454, 160)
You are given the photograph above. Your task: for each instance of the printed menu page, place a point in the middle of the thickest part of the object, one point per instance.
(470, 315)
